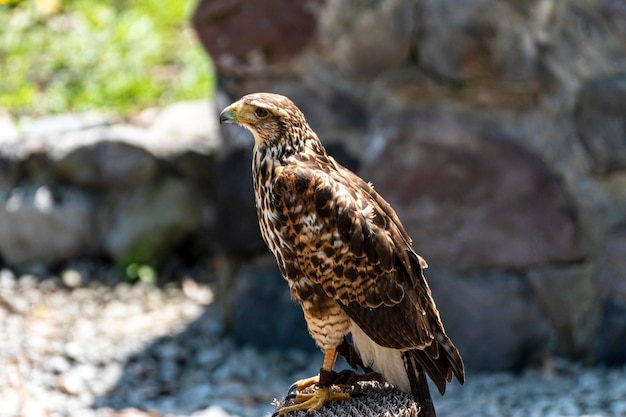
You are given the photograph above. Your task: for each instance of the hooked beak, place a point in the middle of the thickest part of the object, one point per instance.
(228, 115)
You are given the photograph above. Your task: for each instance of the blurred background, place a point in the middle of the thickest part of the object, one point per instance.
(134, 280)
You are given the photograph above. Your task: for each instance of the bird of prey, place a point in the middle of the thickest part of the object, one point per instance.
(348, 260)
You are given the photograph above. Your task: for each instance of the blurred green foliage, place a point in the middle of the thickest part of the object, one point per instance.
(140, 272)
(119, 55)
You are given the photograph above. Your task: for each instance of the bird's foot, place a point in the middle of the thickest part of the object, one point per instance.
(346, 378)
(314, 401)
(301, 385)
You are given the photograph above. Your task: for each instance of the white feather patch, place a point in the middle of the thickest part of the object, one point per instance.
(381, 359)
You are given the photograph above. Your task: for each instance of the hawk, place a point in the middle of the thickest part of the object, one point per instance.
(348, 260)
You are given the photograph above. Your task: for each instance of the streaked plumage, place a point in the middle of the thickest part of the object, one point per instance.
(348, 260)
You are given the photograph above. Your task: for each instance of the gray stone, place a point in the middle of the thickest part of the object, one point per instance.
(57, 364)
(263, 314)
(571, 302)
(187, 138)
(149, 223)
(611, 273)
(194, 166)
(186, 125)
(363, 39)
(72, 278)
(600, 119)
(443, 43)
(77, 149)
(52, 126)
(24, 158)
(470, 198)
(256, 36)
(237, 229)
(104, 157)
(611, 282)
(614, 12)
(613, 214)
(7, 279)
(212, 411)
(491, 318)
(45, 224)
(9, 170)
(462, 40)
(610, 339)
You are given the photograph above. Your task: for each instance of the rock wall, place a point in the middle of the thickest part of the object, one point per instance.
(86, 185)
(497, 129)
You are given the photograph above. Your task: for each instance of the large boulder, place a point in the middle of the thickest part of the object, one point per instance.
(37, 138)
(470, 198)
(574, 313)
(461, 40)
(45, 224)
(187, 124)
(186, 136)
(364, 39)
(489, 336)
(103, 157)
(600, 118)
(147, 224)
(247, 37)
(263, 313)
(611, 336)
(94, 185)
(611, 281)
(237, 230)
(611, 272)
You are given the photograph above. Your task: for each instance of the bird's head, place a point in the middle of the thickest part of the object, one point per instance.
(270, 117)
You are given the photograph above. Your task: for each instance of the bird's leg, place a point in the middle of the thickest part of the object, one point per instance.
(314, 401)
(344, 378)
(348, 377)
(329, 361)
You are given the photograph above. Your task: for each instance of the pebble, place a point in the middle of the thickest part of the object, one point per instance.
(72, 278)
(57, 365)
(7, 279)
(76, 347)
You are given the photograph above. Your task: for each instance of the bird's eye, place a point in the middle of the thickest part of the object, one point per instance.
(261, 113)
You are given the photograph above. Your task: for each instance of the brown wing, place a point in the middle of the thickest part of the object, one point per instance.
(349, 241)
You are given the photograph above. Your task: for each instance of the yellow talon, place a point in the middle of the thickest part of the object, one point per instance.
(303, 384)
(315, 401)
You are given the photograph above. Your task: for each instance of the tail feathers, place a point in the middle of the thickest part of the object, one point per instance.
(440, 361)
(452, 357)
(419, 384)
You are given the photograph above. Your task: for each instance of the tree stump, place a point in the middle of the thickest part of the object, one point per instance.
(373, 399)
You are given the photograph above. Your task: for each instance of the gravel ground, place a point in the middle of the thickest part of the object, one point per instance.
(79, 345)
